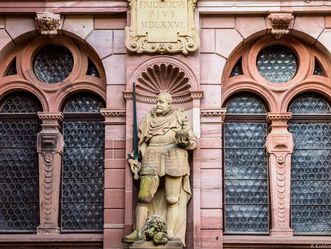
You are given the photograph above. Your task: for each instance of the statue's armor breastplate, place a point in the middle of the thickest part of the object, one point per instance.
(164, 157)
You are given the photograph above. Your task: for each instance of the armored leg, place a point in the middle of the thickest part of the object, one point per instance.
(172, 193)
(147, 189)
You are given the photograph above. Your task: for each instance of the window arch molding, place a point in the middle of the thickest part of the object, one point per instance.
(77, 80)
(320, 86)
(277, 95)
(261, 92)
(19, 86)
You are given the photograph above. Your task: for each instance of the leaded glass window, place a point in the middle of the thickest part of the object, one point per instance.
(19, 184)
(246, 198)
(53, 64)
(12, 68)
(83, 161)
(92, 69)
(311, 165)
(318, 68)
(277, 64)
(237, 69)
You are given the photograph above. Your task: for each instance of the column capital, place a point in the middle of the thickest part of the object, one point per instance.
(279, 117)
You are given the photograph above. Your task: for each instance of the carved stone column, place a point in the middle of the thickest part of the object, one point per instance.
(50, 148)
(279, 145)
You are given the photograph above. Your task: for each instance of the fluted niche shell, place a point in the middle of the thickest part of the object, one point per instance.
(163, 78)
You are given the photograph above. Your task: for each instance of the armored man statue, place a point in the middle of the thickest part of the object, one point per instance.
(164, 140)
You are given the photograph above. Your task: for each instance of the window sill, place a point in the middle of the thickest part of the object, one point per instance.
(72, 237)
(252, 241)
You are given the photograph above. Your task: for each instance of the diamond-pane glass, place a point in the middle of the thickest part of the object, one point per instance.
(237, 69)
(20, 103)
(309, 103)
(82, 170)
(318, 68)
(92, 69)
(53, 64)
(84, 103)
(311, 177)
(246, 198)
(19, 184)
(311, 167)
(245, 104)
(277, 64)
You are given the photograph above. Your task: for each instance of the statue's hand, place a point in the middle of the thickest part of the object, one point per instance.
(135, 167)
(182, 138)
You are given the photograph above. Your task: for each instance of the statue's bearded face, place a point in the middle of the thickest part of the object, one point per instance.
(162, 105)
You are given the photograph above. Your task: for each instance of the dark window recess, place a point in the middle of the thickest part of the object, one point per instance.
(12, 68)
(83, 165)
(92, 69)
(311, 165)
(318, 68)
(277, 64)
(53, 64)
(237, 69)
(246, 198)
(19, 184)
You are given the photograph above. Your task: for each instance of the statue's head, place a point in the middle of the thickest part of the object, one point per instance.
(163, 103)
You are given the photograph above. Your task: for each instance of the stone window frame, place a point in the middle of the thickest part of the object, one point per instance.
(52, 97)
(277, 97)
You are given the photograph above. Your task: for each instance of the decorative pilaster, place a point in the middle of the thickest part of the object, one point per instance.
(279, 146)
(50, 148)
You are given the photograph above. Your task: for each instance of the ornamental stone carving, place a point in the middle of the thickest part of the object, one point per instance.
(163, 77)
(47, 23)
(162, 26)
(162, 165)
(49, 147)
(279, 23)
(279, 145)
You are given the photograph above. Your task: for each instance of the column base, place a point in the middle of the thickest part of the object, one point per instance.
(281, 232)
(150, 245)
(47, 229)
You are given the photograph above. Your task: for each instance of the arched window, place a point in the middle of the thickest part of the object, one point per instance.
(246, 199)
(311, 165)
(82, 167)
(19, 184)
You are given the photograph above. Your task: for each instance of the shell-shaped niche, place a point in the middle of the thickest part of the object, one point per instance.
(163, 78)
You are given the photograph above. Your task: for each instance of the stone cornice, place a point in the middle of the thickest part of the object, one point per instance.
(213, 113)
(127, 94)
(51, 116)
(113, 113)
(279, 117)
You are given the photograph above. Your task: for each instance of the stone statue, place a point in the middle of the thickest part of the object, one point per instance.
(164, 139)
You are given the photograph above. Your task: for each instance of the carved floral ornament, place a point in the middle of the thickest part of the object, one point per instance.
(162, 26)
(47, 23)
(280, 23)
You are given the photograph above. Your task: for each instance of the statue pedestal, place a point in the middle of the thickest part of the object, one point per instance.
(150, 245)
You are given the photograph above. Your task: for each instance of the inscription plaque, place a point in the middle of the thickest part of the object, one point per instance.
(162, 26)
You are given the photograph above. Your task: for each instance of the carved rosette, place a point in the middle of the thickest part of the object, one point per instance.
(279, 145)
(279, 23)
(47, 23)
(185, 42)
